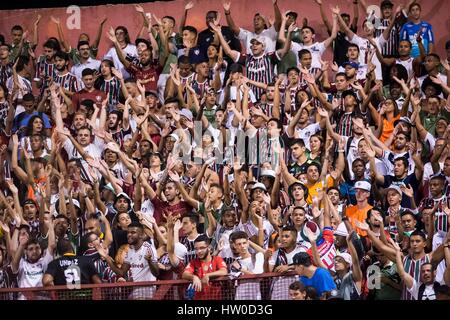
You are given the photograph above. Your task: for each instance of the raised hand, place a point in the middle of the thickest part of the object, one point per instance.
(174, 176)
(336, 11)
(322, 112)
(189, 5)
(139, 8)
(226, 6)
(55, 20)
(362, 225)
(111, 35)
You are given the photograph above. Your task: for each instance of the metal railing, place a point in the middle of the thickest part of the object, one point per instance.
(267, 286)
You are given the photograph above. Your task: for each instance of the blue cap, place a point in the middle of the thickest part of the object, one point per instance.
(352, 64)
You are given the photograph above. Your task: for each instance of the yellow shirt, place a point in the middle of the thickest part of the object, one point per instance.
(313, 190)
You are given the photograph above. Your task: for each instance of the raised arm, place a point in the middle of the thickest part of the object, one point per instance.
(324, 16)
(336, 12)
(98, 36)
(187, 7)
(356, 268)
(120, 54)
(226, 7)
(233, 54)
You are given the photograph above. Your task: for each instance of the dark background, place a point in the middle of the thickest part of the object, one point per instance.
(17, 4)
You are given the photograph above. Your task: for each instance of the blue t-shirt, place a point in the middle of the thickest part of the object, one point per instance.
(321, 281)
(410, 31)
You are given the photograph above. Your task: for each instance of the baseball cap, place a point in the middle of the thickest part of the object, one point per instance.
(363, 185)
(109, 187)
(438, 175)
(259, 39)
(186, 113)
(301, 258)
(341, 230)
(386, 3)
(259, 185)
(298, 183)
(396, 188)
(122, 195)
(268, 173)
(403, 119)
(346, 256)
(175, 136)
(29, 201)
(351, 64)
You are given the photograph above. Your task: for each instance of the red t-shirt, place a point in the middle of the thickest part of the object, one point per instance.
(97, 96)
(149, 77)
(182, 208)
(200, 268)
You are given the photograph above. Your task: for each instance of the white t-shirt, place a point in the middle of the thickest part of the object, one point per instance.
(30, 274)
(78, 68)
(408, 64)
(130, 50)
(252, 230)
(139, 267)
(317, 49)
(269, 34)
(379, 165)
(306, 133)
(364, 49)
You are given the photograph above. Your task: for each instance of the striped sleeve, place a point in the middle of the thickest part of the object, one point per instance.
(430, 33)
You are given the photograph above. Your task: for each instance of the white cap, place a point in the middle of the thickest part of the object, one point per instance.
(363, 185)
(175, 136)
(346, 256)
(268, 173)
(186, 113)
(396, 188)
(260, 39)
(259, 185)
(341, 230)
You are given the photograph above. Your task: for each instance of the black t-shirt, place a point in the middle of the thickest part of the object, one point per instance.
(206, 37)
(71, 270)
(410, 179)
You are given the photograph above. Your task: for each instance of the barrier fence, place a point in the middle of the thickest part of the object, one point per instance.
(268, 286)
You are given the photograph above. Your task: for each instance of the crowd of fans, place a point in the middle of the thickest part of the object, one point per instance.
(196, 155)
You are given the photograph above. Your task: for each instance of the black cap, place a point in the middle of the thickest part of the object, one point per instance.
(349, 93)
(301, 258)
(386, 3)
(298, 183)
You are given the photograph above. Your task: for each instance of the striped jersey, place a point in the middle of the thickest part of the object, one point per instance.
(189, 244)
(440, 217)
(412, 267)
(44, 69)
(259, 69)
(112, 89)
(390, 48)
(67, 81)
(4, 108)
(200, 87)
(5, 72)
